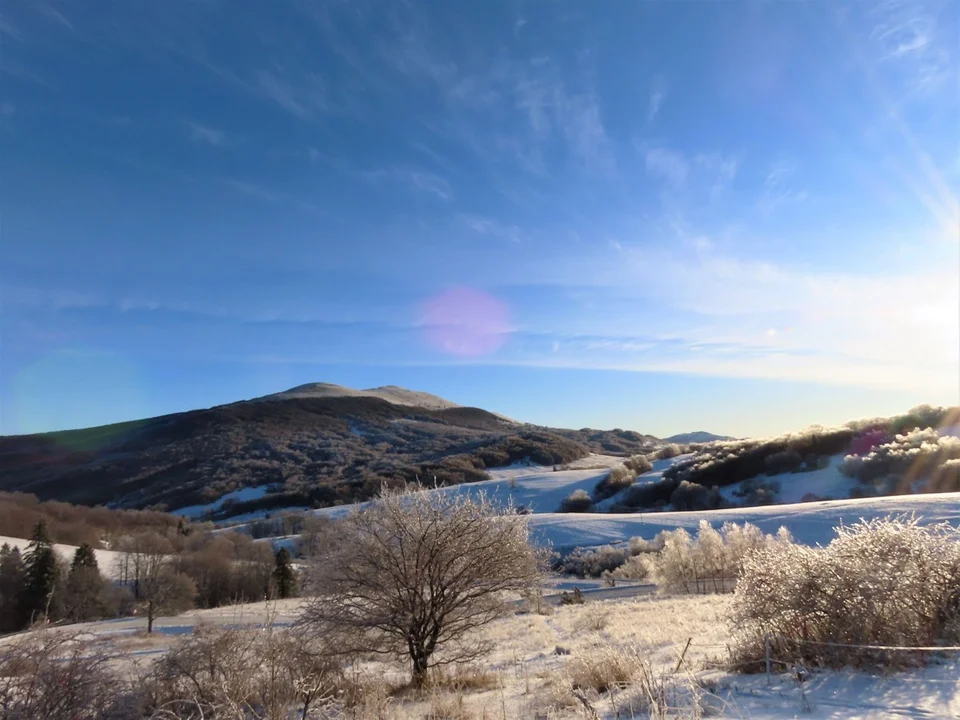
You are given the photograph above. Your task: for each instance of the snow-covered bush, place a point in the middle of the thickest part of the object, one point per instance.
(915, 455)
(691, 496)
(593, 561)
(668, 451)
(783, 462)
(619, 478)
(577, 501)
(639, 464)
(945, 478)
(710, 562)
(758, 491)
(868, 440)
(882, 582)
(649, 495)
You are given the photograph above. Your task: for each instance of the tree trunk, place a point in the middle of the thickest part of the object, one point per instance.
(419, 657)
(150, 617)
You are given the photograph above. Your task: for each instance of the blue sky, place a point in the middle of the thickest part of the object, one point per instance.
(736, 216)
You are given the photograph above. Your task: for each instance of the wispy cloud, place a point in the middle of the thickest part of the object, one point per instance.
(55, 15)
(488, 226)
(668, 164)
(778, 189)
(10, 30)
(272, 196)
(203, 135)
(655, 101)
(420, 179)
(302, 99)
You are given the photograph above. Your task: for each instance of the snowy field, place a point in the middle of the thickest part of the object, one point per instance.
(106, 559)
(811, 523)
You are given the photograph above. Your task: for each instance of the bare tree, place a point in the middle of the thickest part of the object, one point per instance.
(416, 574)
(146, 558)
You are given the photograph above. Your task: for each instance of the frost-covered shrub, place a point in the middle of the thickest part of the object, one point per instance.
(710, 562)
(639, 464)
(882, 582)
(619, 478)
(758, 491)
(668, 451)
(634, 568)
(577, 501)
(593, 561)
(650, 494)
(691, 496)
(868, 440)
(783, 462)
(916, 455)
(945, 478)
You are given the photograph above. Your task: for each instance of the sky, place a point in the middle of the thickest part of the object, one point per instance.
(664, 216)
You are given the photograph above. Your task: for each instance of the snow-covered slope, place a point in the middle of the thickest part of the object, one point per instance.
(535, 487)
(826, 484)
(106, 559)
(810, 523)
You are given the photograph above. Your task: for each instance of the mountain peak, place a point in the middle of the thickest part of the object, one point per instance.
(391, 393)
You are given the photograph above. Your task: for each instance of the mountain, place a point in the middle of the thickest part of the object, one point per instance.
(698, 436)
(313, 445)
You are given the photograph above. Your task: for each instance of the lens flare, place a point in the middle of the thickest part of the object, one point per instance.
(465, 322)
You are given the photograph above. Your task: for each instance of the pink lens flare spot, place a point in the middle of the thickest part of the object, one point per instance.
(465, 322)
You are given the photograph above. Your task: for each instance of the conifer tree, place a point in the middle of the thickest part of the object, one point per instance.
(11, 586)
(284, 576)
(41, 576)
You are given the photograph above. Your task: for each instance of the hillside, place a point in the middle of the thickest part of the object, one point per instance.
(314, 445)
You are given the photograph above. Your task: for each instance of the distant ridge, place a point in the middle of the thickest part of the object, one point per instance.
(698, 436)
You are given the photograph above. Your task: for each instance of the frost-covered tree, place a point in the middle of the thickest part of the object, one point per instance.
(415, 574)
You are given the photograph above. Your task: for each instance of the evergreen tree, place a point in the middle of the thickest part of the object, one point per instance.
(84, 557)
(41, 575)
(284, 576)
(11, 585)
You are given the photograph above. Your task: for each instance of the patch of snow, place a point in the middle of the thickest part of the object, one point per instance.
(239, 495)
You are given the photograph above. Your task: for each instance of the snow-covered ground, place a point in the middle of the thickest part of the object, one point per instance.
(240, 495)
(810, 523)
(826, 483)
(534, 656)
(106, 559)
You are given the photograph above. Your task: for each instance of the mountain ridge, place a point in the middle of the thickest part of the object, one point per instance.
(322, 445)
